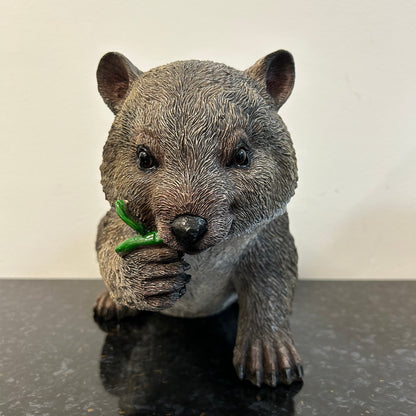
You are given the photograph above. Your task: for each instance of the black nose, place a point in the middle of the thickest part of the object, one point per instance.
(188, 229)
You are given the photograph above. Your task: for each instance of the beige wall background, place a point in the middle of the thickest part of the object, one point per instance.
(351, 115)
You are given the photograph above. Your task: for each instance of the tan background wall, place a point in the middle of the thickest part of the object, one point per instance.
(352, 117)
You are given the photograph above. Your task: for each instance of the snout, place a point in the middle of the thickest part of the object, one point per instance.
(191, 217)
(188, 231)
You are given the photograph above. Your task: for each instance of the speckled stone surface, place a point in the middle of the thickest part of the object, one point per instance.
(357, 339)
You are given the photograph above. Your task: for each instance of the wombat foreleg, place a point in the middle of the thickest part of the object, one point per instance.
(265, 282)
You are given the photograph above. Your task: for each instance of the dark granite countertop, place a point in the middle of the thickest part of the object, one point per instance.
(357, 340)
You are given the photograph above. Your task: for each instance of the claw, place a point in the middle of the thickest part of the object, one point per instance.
(259, 378)
(274, 379)
(300, 371)
(241, 372)
(289, 375)
(182, 291)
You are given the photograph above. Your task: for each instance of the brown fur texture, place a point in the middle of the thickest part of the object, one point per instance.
(219, 152)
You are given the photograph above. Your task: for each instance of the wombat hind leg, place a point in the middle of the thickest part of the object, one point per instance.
(107, 314)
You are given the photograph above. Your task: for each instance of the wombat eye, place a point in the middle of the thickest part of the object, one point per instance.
(145, 159)
(240, 157)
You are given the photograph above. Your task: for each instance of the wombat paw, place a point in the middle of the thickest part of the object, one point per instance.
(269, 362)
(107, 313)
(163, 293)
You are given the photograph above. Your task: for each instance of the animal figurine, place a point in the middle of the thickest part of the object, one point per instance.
(199, 160)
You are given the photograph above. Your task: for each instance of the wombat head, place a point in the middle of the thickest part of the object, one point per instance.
(197, 148)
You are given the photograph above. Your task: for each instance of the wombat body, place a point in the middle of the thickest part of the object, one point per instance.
(200, 154)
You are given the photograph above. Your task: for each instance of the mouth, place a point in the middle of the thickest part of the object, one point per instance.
(188, 248)
(193, 251)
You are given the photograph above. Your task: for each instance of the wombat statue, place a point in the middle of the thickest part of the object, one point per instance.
(199, 153)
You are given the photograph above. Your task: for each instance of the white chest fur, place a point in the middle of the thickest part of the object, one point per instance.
(210, 289)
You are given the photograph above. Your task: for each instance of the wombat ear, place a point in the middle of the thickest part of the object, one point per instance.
(115, 73)
(277, 72)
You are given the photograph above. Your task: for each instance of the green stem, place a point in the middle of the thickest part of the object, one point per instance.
(123, 213)
(144, 238)
(138, 241)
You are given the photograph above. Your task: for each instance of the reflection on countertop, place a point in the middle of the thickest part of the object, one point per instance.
(357, 341)
(158, 365)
